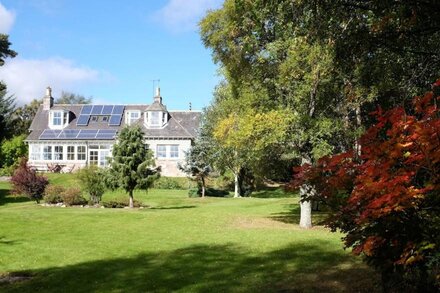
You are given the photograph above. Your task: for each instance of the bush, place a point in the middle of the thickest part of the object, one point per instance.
(72, 196)
(53, 194)
(115, 204)
(27, 182)
(92, 182)
(197, 192)
(172, 183)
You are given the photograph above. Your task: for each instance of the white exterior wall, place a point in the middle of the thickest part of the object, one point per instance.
(169, 165)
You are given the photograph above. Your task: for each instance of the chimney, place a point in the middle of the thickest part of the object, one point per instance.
(157, 97)
(48, 99)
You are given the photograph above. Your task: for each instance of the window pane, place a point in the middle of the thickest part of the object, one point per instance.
(47, 153)
(155, 118)
(161, 151)
(81, 153)
(174, 151)
(58, 149)
(70, 152)
(57, 118)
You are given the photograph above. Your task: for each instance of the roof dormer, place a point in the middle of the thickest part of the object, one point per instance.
(58, 119)
(156, 115)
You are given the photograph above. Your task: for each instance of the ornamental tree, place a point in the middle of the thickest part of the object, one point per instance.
(197, 163)
(26, 181)
(133, 162)
(387, 199)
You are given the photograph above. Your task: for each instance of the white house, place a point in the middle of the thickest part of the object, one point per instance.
(69, 137)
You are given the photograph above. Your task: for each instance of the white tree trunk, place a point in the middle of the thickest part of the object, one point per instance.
(306, 206)
(305, 221)
(236, 192)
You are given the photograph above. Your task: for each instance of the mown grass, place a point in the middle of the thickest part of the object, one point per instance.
(178, 244)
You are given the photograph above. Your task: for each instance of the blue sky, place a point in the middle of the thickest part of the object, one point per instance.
(110, 50)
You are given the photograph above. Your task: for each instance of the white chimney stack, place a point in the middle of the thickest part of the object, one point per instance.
(157, 97)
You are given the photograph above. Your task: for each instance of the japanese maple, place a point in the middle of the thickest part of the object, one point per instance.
(387, 198)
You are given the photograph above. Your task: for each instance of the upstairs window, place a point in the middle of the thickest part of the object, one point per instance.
(58, 119)
(155, 118)
(132, 116)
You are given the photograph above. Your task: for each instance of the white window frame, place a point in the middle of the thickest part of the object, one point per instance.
(161, 153)
(58, 153)
(70, 153)
(174, 154)
(132, 116)
(47, 153)
(35, 152)
(81, 155)
(62, 116)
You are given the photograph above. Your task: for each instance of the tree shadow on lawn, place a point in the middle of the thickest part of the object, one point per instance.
(202, 268)
(292, 216)
(6, 197)
(172, 207)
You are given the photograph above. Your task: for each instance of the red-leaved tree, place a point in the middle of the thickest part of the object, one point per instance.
(387, 199)
(26, 181)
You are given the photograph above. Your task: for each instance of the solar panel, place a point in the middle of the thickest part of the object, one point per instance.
(87, 133)
(83, 120)
(86, 109)
(118, 110)
(68, 134)
(107, 110)
(50, 134)
(97, 110)
(106, 134)
(115, 120)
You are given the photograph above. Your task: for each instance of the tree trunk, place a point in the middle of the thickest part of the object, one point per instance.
(306, 210)
(306, 206)
(236, 192)
(131, 199)
(203, 187)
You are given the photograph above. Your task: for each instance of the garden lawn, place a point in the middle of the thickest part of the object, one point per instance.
(178, 244)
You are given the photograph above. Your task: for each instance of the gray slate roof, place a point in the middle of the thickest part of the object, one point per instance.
(181, 124)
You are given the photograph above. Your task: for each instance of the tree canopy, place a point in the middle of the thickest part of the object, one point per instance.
(132, 163)
(71, 98)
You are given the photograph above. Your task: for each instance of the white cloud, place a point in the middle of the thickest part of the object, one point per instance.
(183, 15)
(28, 79)
(7, 19)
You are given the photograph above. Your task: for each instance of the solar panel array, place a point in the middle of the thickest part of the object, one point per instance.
(114, 111)
(78, 134)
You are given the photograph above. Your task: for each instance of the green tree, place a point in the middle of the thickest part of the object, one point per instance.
(71, 98)
(7, 106)
(12, 150)
(5, 50)
(132, 162)
(92, 183)
(197, 162)
(24, 115)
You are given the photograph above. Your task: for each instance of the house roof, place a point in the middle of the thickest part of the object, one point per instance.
(181, 124)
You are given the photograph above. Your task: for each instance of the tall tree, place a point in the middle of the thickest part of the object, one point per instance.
(327, 61)
(5, 50)
(132, 163)
(71, 98)
(6, 102)
(7, 106)
(24, 115)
